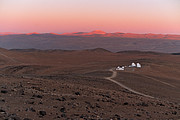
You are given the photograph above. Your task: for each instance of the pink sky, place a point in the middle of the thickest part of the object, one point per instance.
(59, 16)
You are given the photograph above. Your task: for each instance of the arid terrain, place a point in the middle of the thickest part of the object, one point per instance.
(83, 85)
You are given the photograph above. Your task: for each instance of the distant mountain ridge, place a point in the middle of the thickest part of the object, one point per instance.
(99, 33)
(90, 40)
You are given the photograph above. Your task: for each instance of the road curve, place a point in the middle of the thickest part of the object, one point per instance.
(114, 74)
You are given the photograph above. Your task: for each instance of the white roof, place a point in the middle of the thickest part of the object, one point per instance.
(133, 64)
(120, 68)
(138, 65)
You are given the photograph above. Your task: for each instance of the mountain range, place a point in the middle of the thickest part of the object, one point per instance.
(118, 41)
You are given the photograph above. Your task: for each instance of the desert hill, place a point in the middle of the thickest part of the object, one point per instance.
(61, 84)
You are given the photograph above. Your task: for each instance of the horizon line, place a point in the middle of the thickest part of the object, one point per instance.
(61, 33)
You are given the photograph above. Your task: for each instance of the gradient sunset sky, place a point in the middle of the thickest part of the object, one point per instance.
(60, 16)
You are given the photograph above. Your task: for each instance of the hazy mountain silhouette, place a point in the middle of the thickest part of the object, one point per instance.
(89, 40)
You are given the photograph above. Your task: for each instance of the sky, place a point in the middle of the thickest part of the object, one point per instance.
(61, 16)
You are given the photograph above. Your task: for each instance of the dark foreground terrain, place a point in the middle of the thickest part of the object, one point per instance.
(54, 84)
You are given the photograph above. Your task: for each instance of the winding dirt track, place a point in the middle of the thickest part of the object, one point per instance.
(114, 74)
(7, 57)
(165, 83)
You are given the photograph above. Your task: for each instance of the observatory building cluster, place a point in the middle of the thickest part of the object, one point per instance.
(133, 65)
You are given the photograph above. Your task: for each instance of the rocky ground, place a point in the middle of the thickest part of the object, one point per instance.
(50, 99)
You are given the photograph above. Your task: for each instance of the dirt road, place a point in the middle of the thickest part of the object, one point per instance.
(114, 74)
(7, 57)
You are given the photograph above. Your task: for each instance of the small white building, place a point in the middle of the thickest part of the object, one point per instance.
(120, 68)
(133, 65)
(139, 65)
